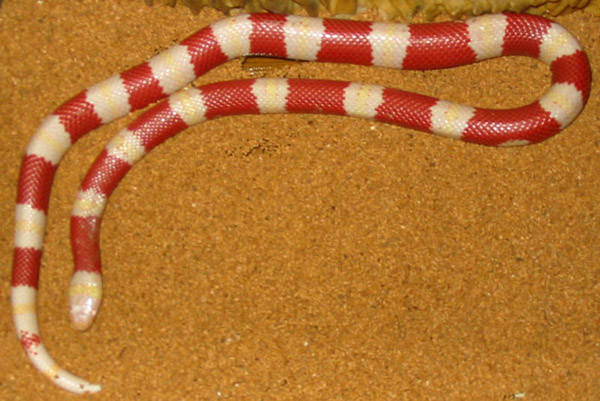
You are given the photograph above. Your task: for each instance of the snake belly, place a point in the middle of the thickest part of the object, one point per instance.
(383, 44)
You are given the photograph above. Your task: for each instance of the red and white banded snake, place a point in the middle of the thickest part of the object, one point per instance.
(394, 45)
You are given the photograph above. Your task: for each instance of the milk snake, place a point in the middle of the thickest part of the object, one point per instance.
(428, 46)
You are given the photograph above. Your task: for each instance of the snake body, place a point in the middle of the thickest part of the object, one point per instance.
(382, 44)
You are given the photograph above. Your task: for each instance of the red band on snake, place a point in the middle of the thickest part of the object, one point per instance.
(379, 44)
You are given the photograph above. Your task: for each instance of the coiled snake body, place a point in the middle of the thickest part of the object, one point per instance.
(383, 44)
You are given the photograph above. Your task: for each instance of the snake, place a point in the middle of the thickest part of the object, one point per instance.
(169, 73)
